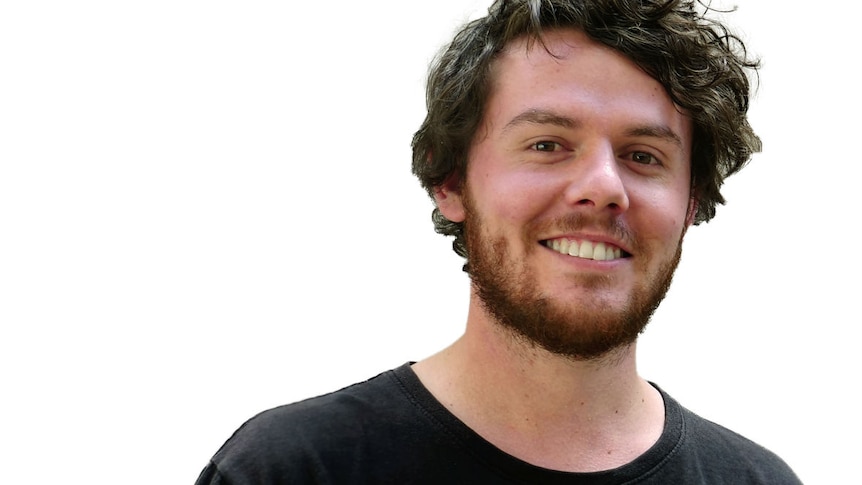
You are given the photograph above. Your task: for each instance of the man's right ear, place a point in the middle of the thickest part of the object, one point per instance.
(450, 200)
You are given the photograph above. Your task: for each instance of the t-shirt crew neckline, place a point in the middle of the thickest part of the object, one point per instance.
(514, 468)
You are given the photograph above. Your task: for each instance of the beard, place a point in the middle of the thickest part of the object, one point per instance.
(511, 295)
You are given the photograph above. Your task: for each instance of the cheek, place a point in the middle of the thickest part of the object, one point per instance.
(513, 197)
(663, 216)
(666, 224)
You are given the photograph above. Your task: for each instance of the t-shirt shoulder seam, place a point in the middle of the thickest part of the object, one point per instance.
(222, 478)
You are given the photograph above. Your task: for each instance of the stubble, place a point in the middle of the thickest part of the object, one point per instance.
(510, 293)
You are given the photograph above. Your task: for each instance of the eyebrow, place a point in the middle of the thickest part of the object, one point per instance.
(656, 131)
(541, 117)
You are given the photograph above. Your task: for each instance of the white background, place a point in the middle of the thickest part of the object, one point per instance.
(206, 210)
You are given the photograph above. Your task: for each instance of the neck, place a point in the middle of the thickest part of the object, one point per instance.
(546, 409)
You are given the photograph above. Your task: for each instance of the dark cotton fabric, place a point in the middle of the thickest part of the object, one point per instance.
(391, 430)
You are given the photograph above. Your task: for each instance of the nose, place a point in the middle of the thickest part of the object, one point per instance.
(596, 182)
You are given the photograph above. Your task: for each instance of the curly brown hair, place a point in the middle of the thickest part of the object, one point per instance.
(703, 67)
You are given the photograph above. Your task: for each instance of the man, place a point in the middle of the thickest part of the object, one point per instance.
(568, 146)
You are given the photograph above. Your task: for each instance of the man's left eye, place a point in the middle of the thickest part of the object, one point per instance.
(644, 158)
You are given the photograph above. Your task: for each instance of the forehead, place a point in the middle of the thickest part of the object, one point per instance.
(567, 72)
(568, 55)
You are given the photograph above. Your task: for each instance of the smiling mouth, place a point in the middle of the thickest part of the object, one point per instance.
(597, 251)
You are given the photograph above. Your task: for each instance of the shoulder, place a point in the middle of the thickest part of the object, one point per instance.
(715, 450)
(288, 444)
(319, 415)
(316, 421)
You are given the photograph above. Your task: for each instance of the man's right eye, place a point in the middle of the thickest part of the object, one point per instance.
(546, 146)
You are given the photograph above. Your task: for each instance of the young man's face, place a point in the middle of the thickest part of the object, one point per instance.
(576, 195)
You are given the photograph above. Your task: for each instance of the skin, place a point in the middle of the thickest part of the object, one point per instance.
(582, 134)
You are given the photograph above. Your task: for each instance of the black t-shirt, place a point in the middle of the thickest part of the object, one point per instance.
(390, 429)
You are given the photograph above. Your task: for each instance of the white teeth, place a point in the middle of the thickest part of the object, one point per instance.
(586, 250)
(597, 251)
(573, 248)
